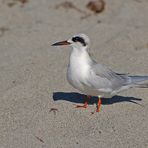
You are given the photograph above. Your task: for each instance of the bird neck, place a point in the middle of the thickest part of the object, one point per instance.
(80, 56)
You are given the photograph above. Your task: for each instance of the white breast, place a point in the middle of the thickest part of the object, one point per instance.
(78, 68)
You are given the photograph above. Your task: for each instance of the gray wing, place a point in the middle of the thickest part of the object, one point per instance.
(105, 79)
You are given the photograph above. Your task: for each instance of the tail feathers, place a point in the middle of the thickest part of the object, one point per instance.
(139, 81)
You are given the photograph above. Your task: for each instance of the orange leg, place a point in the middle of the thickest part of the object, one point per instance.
(85, 103)
(98, 105)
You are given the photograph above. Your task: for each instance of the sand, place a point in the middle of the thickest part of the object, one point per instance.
(37, 105)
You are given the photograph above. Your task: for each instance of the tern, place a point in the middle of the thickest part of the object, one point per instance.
(92, 78)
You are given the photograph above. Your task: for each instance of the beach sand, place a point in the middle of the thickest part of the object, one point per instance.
(37, 105)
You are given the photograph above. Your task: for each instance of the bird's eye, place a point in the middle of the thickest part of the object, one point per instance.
(79, 39)
(74, 39)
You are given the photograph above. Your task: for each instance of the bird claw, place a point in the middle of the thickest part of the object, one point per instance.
(81, 106)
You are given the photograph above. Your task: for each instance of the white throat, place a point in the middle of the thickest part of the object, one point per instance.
(79, 61)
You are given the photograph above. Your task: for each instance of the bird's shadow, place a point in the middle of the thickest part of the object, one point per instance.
(79, 98)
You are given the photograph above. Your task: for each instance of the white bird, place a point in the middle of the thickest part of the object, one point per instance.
(94, 79)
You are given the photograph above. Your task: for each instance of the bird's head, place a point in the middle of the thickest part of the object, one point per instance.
(77, 41)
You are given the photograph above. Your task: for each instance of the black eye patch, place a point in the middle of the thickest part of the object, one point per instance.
(79, 39)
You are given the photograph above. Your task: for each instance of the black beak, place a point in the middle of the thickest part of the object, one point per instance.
(61, 43)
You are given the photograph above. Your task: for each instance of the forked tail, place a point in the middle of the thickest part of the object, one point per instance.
(139, 81)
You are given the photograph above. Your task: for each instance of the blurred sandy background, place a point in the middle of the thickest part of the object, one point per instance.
(33, 75)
